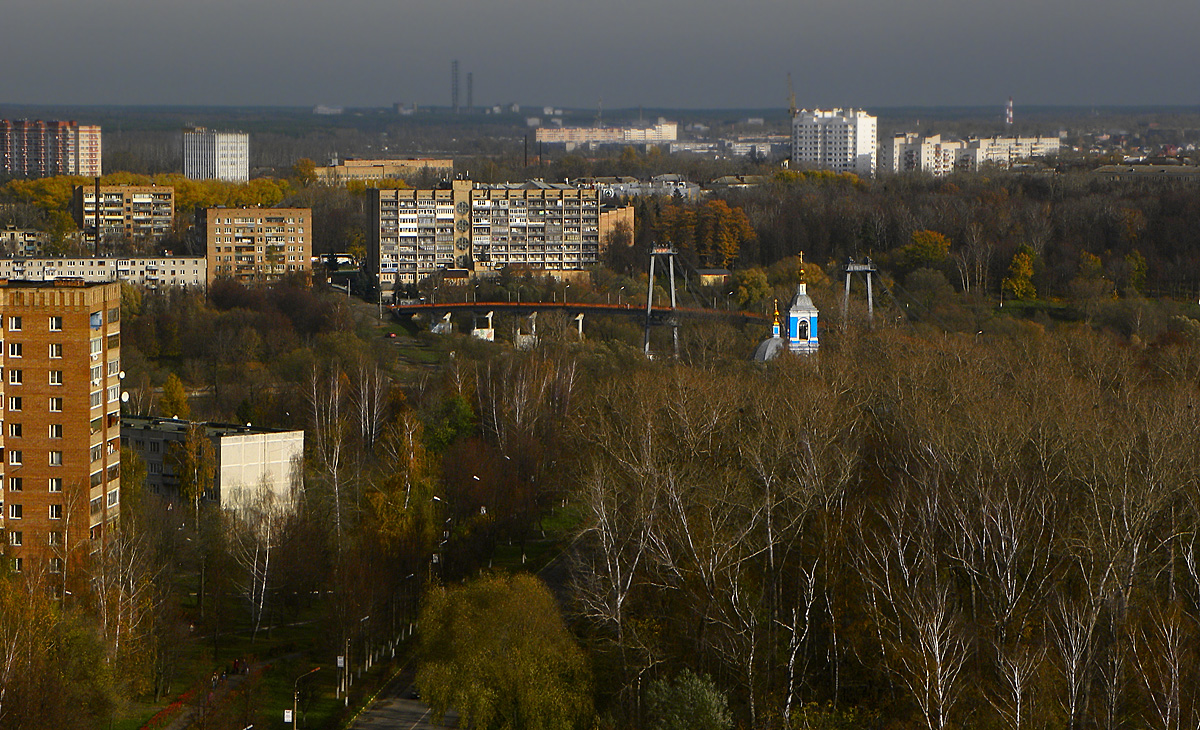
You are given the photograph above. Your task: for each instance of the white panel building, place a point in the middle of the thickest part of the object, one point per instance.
(150, 272)
(252, 464)
(209, 155)
(839, 140)
(933, 155)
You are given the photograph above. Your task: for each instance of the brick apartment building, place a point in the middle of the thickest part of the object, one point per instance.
(61, 429)
(256, 244)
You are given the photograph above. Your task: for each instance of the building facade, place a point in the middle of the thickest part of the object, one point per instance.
(839, 140)
(42, 149)
(209, 155)
(661, 133)
(61, 431)
(252, 464)
(340, 173)
(414, 233)
(257, 244)
(933, 155)
(135, 212)
(150, 272)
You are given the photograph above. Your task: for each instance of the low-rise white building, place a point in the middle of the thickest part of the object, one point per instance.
(839, 140)
(252, 464)
(149, 272)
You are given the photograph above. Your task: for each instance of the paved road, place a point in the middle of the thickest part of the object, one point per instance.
(392, 711)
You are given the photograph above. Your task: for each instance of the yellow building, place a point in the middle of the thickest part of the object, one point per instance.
(368, 170)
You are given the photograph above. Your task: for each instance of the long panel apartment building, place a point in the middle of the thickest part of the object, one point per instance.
(150, 272)
(134, 212)
(42, 149)
(257, 244)
(546, 227)
(933, 155)
(61, 430)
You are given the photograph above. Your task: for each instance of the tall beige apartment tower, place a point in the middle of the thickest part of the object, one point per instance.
(43, 149)
(257, 244)
(62, 425)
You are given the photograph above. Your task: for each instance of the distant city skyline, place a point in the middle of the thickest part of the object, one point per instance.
(624, 53)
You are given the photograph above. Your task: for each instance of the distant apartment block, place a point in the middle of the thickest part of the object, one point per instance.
(22, 241)
(61, 432)
(257, 244)
(843, 141)
(546, 227)
(914, 153)
(150, 272)
(1004, 151)
(368, 170)
(209, 155)
(43, 149)
(134, 212)
(661, 132)
(252, 464)
(660, 185)
(935, 156)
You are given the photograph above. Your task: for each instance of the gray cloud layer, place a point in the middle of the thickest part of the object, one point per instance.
(701, 53)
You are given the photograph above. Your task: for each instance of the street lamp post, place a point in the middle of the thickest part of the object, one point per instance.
(296, 695)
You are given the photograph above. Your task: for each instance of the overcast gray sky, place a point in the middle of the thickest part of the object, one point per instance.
(656, 53)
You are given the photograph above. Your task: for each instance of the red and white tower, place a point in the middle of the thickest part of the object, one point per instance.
(1008, 112)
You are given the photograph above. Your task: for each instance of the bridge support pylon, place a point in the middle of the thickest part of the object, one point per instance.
(669, 253)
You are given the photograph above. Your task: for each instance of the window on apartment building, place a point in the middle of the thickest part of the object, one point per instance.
(154, 468)
(97, 452)
(56, 511)
(15, 538)
(56, 458)
(56, 484)
(15, 377)
(16, 484)
(56, 405)
(56, 431)
(56, 565)
(54, 538)
(56, 377)
(154, 447)
(14, 324)
(114, 314)
(56, 324)
(97, 345)
(114, 393)
(14, 511)
(16, 456)
(14, 349)
(14, 403)
(112, 498)
(18, 564)
(114, 367)
(14, 430)
(97, 399)
(56, 350)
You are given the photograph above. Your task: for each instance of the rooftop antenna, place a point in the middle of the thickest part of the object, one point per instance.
(791, 97)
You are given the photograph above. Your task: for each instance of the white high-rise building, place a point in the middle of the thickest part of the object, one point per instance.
(209, 155)
(839, 140)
